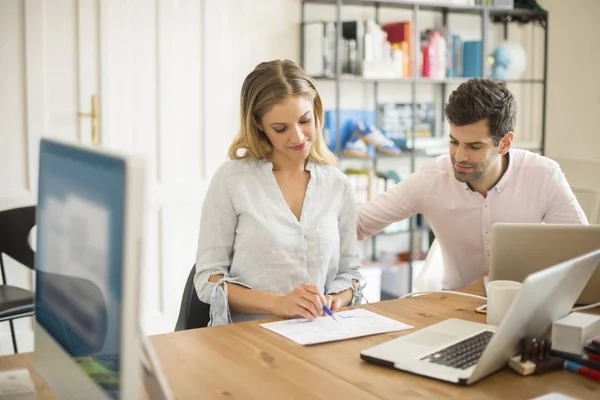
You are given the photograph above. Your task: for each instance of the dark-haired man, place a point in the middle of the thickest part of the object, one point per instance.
(480, 182)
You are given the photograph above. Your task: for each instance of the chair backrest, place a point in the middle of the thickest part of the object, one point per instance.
(193, 313)
(431, 275)
(588, 200)
(15, 226)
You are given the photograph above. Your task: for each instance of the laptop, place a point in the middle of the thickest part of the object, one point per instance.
(520, 249)
(463, 352)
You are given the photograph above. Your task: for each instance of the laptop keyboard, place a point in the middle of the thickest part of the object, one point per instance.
(463, 354)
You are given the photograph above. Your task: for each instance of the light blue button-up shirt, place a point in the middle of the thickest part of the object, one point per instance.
(249, 234)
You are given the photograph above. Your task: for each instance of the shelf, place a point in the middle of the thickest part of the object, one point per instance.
(423, 5)
(439, 7)
(488, 15)
(516, 12)
(360, 79)
(405, 153)
(433, 152)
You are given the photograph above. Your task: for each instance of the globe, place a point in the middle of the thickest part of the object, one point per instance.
(509, 61)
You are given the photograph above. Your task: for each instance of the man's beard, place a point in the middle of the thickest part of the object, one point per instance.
(476, 172)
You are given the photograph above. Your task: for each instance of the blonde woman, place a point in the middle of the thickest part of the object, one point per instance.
(278, 227)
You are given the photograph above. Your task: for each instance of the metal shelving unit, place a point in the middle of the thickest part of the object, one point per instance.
(488, 13)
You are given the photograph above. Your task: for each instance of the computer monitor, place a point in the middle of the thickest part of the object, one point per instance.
(90, 219)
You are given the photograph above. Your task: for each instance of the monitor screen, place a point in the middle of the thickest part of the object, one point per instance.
(79, 260)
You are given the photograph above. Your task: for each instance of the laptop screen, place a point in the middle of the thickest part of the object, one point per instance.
(79, 258)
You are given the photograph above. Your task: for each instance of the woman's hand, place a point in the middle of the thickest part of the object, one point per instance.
(306, 301)
(333, 302)
(340, 299)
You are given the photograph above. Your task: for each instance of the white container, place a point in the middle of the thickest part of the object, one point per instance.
(570, 333)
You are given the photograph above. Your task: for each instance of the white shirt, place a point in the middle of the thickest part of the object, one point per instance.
(249, 234)
(533, 189)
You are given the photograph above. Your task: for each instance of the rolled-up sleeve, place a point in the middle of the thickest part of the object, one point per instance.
(349, 266)
(215, 247)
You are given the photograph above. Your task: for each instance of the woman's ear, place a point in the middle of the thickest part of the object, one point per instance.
(259, 125)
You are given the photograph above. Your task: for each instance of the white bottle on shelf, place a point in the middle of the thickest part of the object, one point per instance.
(397, 59)
(442, 53)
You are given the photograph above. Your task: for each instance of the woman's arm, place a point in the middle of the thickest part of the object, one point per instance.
(304, 301)
(215, 241)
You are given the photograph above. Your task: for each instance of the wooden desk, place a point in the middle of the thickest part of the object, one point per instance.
(247, 361)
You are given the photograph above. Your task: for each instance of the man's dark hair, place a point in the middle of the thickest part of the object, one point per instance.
(478, 99)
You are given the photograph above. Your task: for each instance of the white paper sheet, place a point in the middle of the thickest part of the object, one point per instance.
(351, 324)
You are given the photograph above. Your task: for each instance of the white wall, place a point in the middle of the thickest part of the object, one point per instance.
(168, 88)
(574, 83)
(15, 187)
(573, 121)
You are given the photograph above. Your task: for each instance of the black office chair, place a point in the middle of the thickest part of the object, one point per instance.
(74, 311)
(193, 313)
(15, 302)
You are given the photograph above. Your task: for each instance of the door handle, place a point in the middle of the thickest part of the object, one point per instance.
(95, 115)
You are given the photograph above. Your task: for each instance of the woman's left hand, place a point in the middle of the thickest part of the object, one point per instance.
(333, 302)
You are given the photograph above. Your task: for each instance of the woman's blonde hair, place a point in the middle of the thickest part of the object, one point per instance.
(269, 84)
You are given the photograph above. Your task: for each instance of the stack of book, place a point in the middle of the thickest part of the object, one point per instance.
(376, 51)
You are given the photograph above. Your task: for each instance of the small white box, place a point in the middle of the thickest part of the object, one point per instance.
(570, 333)
(16, 385)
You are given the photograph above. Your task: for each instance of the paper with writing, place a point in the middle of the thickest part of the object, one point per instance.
(351, 324)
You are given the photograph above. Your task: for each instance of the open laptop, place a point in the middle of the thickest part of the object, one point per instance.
(464, 352)
(519, 249)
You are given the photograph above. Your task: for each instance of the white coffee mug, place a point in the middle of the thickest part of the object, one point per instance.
(500, 295)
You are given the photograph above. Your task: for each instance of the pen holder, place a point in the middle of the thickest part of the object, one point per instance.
(534, 357)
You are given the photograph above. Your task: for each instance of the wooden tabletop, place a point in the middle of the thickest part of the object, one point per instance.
(247, 361)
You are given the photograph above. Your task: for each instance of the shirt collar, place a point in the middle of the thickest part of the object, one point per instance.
(268, 165)
(506, 176)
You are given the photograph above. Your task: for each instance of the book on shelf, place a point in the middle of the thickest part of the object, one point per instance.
(472, 59)
(370, 50)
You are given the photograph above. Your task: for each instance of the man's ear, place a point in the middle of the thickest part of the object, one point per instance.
(506, 143)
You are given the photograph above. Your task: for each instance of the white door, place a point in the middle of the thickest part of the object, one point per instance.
(147, 64)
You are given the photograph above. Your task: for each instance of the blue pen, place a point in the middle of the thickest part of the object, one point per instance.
(328, 311)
